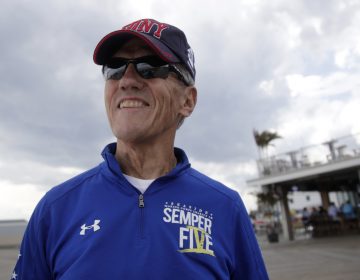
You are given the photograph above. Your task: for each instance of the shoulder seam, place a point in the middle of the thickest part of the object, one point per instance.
(222, 193)
(92, 172)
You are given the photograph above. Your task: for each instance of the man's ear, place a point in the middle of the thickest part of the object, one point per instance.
(189, 101)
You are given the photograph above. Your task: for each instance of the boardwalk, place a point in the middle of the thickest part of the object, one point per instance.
(319, 259)
(332, 258)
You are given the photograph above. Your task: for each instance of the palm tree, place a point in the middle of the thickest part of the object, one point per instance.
(263, 140)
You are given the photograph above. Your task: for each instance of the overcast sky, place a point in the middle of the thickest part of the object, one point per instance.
(288, 66)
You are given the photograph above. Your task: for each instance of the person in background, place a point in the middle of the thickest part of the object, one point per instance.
(144, 212)
(348, 210)
(305, 217)
(314, 215)
(333, 211)
(322, 212)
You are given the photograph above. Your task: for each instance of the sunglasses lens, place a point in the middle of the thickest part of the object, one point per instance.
(113, 74)
(147, 67)
(114, 69)
(148, 71)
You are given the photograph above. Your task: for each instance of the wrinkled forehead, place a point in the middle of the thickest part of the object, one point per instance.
(133, 48)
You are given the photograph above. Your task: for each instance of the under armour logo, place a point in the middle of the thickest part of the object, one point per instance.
(94, 226)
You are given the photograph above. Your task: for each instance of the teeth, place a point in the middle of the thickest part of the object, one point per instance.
(132, 104)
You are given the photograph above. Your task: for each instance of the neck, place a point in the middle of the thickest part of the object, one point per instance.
(145, 161)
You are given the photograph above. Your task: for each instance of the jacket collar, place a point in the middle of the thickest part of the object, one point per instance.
(113, 168)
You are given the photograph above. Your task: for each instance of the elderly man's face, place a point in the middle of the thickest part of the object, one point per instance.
(141, 110)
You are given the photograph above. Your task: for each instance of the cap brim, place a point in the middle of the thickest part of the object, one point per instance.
(114, 40)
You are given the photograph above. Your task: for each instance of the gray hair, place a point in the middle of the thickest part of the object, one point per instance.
(188, 79)
(185, 73)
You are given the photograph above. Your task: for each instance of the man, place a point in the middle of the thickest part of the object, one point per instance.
(143, 213)
(348, 210)
(333, 211)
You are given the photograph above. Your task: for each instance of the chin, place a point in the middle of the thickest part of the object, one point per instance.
(128, 135)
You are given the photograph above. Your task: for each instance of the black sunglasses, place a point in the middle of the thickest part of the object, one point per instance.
(148, 67)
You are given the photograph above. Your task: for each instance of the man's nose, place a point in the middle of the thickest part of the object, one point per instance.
(131, 79)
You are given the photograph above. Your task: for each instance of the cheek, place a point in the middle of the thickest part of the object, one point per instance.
(169, 106)
(175, 100)
(109, 92)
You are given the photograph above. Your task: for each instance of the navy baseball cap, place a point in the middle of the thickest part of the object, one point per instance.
(167, 41)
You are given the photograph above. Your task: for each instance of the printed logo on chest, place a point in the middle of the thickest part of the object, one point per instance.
(195, 227)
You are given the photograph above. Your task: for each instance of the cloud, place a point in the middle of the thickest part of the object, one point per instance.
(18, 201)
(233, 175)
(320, 108)
(44, 176)
(337, 83)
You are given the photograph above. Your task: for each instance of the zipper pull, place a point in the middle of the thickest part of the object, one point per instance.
(141, 201)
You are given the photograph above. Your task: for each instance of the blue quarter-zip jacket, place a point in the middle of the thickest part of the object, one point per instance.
(98, 226)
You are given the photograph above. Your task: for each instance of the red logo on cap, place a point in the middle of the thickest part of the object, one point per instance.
(146, 26)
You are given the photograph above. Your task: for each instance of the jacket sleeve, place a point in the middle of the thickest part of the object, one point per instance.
(32, 263)
(249, 264)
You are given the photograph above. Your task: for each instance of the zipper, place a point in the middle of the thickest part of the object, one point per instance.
(141, 206)
(141, 201)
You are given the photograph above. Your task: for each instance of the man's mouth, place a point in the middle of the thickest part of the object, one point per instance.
(131, 103)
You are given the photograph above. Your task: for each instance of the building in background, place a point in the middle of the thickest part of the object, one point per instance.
(311, 176)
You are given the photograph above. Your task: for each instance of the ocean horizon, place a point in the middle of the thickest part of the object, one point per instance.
(11, 232)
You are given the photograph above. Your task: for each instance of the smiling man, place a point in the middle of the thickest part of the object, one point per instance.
(143, 213)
